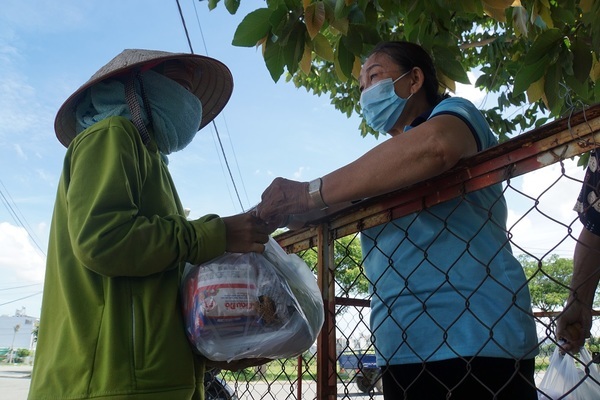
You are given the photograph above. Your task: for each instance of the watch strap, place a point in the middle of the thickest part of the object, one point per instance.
(314, 192)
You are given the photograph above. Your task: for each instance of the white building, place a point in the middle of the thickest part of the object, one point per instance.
(16, 331)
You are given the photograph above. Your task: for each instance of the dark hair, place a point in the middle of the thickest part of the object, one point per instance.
(409, 55)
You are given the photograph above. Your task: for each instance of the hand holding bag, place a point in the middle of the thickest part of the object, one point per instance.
(565, 380)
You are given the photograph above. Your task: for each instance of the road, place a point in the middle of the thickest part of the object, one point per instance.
(14, 382)
(14, 385)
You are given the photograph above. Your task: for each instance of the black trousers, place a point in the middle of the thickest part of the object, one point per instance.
(475, 378)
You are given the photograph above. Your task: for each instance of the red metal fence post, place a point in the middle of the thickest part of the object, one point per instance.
(326, 356)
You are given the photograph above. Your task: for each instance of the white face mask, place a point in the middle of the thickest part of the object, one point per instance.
(381, 106)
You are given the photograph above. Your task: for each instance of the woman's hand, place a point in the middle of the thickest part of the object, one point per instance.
(246, 233)
(282, 198)
(573, 325)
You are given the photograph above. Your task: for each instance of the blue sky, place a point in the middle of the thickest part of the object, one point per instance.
(48, 49)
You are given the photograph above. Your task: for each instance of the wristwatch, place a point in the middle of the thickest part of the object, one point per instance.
(314, 192)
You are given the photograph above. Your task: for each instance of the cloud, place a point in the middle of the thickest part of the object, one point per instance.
(299, 173)
(43, 16)
(20, 260)
(541, 218)
(470, 92)
(18, 97)
(19, 151)
(47, 177)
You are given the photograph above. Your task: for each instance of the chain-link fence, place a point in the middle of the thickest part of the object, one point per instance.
(540, 181)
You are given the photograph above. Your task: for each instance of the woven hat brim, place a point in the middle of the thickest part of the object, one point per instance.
(213, 85)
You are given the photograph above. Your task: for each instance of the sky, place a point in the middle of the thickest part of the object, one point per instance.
(267, 129)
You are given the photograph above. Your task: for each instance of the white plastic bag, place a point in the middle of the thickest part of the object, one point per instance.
(563, 374)
(252, 305)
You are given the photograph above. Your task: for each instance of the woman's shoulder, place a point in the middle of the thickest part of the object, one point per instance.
(113, 131)
(456, 104)
(115, 123)
(471, 115)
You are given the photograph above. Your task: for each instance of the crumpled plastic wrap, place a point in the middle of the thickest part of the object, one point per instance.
(252, 305)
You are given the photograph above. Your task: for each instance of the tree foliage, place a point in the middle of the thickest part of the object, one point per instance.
(537, 55)
(548, 281)
(349, 276)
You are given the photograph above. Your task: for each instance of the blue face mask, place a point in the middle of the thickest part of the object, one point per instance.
(381, 106)
(176, 113)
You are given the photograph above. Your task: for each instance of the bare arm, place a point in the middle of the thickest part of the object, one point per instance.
(586, 267)
(575, 322)
(421, 153)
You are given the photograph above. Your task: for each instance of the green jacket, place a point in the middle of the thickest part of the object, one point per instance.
(111, 325)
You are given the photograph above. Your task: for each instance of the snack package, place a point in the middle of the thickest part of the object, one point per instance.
(252, 305)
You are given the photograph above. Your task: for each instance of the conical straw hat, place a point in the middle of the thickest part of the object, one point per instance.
(213, 85)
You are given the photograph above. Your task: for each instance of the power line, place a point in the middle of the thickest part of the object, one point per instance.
(187, 35)
(214, 140)
(213, 121)
(227, 164)
(236, 162)
(22, 298)
(11, 206)
(223, 116)
(20, 287)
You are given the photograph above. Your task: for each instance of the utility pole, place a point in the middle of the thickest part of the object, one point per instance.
(12, 346)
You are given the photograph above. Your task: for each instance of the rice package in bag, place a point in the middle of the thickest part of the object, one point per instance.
(252, 305)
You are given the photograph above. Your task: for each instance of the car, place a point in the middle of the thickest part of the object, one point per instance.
(216, 388)
(367, 375)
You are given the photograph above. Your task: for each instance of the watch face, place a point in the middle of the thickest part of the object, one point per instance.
(314, 186)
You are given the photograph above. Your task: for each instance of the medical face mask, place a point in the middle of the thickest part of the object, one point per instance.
(381, 106)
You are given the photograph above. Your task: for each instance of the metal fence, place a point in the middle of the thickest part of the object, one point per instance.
(342, 367)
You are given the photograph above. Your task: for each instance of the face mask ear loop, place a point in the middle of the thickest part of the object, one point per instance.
(134, 106)
(402, 76)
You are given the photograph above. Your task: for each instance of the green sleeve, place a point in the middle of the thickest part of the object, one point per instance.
(124, 216)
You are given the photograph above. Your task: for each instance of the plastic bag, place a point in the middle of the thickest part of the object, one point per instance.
(252, 305)
(563, 374)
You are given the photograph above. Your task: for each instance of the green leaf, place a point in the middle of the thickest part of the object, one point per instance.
(446, 61)
(340, 9)
(582, 59)
(368, 34)
(529, 74)
(580, 88)
(353, 41)
(345, 59)
(274, 59)
(356, 15)
(232, 6)
(253, 28)
(293, 50)
(314, 16)
(371, 15)
(322, 48)
(543, 44)
(212, 4)
(583, 160)
(470, 6)
(278, 20)
(551, 88)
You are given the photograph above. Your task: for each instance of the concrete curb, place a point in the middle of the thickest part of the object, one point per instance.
(15, 371)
